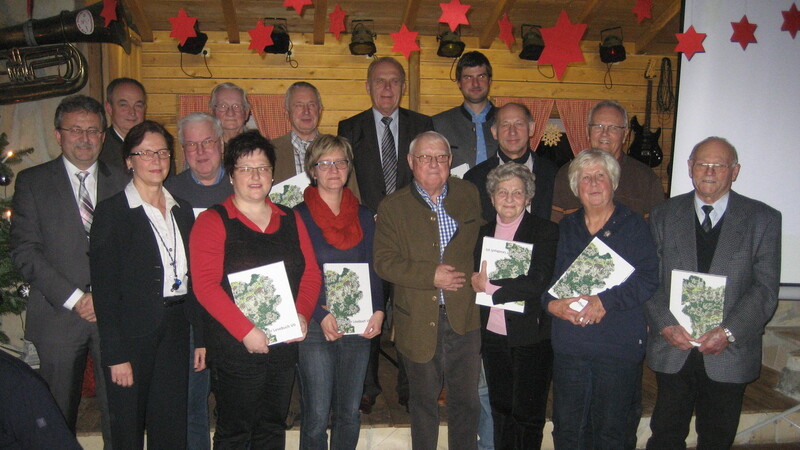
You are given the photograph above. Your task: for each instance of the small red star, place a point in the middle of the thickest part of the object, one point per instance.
(109, 13)
(562, 44)
(454, 14)
(405, 41)
(743, 32)
(297, 5)
(643, 10)
(337, 21)
(791, 20)
(182, 26)
(506, 31)
(260, 37)
(690, 42)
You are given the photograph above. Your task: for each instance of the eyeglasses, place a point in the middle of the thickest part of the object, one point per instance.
(190, 147)
(248, 170)
(223, 108)
(504, 194)
(325, 166)
(92, 133)
(713, 167)
(599, 128)
(148, 155)
(426, 159)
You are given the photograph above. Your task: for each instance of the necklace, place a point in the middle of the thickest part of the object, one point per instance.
(172, 259)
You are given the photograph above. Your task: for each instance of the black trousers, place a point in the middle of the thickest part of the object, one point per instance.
(716, 405)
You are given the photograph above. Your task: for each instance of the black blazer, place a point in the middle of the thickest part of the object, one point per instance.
(532, 325)
(127, 274)
(360, 131)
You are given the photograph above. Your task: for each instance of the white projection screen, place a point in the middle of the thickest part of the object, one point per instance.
(751, 98)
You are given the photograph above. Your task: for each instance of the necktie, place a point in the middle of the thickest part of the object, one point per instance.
(707, 221)
(389, 156)
(85, 202)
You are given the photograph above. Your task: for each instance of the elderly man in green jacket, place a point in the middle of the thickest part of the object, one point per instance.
(424, 246)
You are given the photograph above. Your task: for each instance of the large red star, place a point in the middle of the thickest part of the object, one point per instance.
(337, 21)
(182, 26)
(562, 44)
(454, 14)
(260, 37)
(643, 10)
(690, 42)
(405, 41)
(506, 31)
(296, 4)
(743, 32)
(791, 20)
(109, 12)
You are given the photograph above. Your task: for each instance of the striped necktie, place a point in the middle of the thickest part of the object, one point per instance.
(706, 225)
(389, 157)
(85, 202)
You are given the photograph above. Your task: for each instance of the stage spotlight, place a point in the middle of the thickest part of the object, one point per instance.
(363, 40)
(532, 42)
(450, 45)
(611, 48)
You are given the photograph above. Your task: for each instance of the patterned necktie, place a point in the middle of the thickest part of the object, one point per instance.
(85, 202)
(389, 156)
(707, 221)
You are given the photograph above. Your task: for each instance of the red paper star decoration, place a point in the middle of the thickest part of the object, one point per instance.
(690, 42)
(109, 12)
(791, 20)
(562, 44)
(506, 31)
(643, 10)
(182, 26)
(743, 32)
(405, 41)
(337, 21)
(296, 4)
(454, 14)
(260, 37)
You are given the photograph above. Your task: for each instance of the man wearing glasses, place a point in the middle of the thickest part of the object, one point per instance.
(229, 104)
(126, 105)
(53, 206)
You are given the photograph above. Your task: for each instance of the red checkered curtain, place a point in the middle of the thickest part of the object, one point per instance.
(573, 115)
(267, 109)
(540, 109)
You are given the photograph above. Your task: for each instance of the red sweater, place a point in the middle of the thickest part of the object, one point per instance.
(207, 254)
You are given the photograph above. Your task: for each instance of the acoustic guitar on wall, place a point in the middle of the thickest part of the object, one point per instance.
(645, 146)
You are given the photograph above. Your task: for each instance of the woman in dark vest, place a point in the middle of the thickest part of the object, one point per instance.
(251, 380)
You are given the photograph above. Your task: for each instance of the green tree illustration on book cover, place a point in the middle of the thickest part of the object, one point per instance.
(517, 263)
(258, 301)
(504, 259)
(343, 296)
(290, 196)
(596, 269)
(702, 304)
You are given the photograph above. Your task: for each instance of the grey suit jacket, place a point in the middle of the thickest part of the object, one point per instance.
(49, 245)
(456, 125)
(748, 253)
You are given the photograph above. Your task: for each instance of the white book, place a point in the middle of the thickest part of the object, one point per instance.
(504, 259)
(459, 171)
(289, 192)
(349, 295)
(697, 300)
(263, 294)
(596, 269)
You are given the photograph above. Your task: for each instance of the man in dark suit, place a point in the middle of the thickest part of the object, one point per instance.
(711, 230)
(303, 105)
(126, 105)
(513, 127)
(49, 245)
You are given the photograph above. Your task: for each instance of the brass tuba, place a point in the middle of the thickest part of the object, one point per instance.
(27, 49)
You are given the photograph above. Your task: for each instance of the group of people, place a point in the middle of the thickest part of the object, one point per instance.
(132, 265)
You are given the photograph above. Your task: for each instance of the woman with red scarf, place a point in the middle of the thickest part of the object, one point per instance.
(333, 365)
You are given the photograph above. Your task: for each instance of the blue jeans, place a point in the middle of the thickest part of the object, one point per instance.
(485, 424)
(198, 437)
(594, 392)
(331, 382)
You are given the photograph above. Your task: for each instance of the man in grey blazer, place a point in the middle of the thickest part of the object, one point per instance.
(49, 245)
(303, 104)
(736, 237)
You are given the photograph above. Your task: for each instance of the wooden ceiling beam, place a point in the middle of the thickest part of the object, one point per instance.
(672, 10)
(320, 14)
(588, 11)
(490, 29)
(140, 22)
(410, 14)
(231, 24)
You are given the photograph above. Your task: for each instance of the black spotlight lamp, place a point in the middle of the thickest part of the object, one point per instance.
(280, 36)
(450, 45)
(363, 40)
(611, 48)
(532, 42)
(194, 45)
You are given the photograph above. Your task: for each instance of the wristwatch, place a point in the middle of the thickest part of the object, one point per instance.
(729, 335)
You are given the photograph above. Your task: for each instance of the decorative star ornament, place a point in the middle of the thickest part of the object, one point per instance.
(182, 26)
(744, 32)
(454, 14)
(260, 37)
(690, 42)
(296, 4)
(405, 41)
(643, 10)
(562, 44)
(109, 12)
(337, 21)
(791, 20)
(506, 31)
